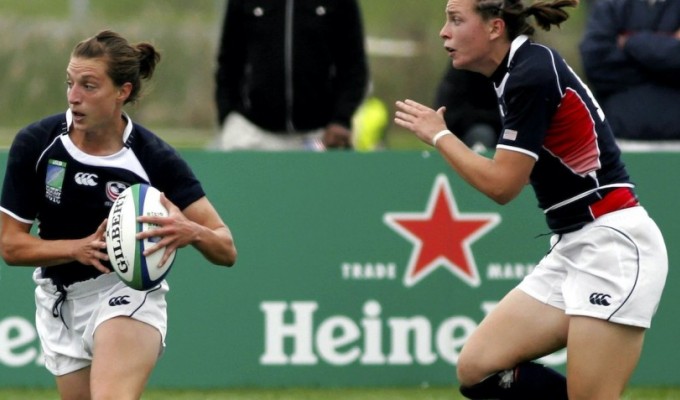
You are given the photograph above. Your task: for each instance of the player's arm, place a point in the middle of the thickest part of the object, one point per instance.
(501, 178)
(20, 248)
(199, 225)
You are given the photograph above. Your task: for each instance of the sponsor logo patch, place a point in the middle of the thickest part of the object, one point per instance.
(114, 189)
(600, 299)
(86, 179)
(54, 180)
(510, 134)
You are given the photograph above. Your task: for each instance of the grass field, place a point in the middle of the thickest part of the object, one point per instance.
(319, 394)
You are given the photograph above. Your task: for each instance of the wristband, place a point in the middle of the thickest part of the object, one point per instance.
(439, 135)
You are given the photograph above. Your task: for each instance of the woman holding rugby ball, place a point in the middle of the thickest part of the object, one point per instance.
(101, 338)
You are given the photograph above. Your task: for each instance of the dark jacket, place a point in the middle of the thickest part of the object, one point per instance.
(291, 65)
(470, 100)
(637, 86)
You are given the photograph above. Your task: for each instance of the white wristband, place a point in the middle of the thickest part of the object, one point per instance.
(439, 135)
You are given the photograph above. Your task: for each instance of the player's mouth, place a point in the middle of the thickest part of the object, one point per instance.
(77, 116)
(450, 50)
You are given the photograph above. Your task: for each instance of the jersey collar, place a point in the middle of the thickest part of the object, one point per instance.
(500, 74)
(126, 132)
(516, 44)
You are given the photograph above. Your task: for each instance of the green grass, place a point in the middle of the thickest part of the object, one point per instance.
(445, 393)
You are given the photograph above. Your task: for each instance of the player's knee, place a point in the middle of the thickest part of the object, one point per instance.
(470, 371)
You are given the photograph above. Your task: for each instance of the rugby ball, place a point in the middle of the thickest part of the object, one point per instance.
(124, 250)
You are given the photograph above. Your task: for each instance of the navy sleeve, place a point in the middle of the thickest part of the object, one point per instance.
(178, 181)
(529, 103)
(170, 173)
(20, 190)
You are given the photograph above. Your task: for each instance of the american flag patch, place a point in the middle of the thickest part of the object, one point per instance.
(510, 134)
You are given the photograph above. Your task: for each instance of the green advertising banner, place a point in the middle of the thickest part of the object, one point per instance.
(354, 270)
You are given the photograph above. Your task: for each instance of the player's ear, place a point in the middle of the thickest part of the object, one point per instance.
(496, 28)
(124, 91)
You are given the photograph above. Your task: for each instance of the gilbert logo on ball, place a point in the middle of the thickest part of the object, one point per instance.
(124, 250)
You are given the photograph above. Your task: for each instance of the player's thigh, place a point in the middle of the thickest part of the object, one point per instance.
(125, 353)
(519, 328)
(74, 385)
(601, 357)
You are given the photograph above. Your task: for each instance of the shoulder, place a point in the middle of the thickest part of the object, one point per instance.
(535, 57)
(166, 169)
(143, 140)
(40, 134)
(52, 125)
(152, 151)
(534, 65)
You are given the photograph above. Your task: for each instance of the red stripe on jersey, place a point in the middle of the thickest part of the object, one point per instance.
(571, 136)
(617, 199)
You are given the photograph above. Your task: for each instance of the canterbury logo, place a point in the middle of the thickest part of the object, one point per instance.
(86, 179)
(600, 299)
(120, 300)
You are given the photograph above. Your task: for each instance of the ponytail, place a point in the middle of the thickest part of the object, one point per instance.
(514, 14)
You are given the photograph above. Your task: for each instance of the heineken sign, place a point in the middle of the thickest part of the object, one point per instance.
(353, 270)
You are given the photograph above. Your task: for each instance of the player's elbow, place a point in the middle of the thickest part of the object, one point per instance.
(231, 253)
(9, 252)
(502, 200)
(502, 196)
(227, 257)
(504, 190)
(231, 258)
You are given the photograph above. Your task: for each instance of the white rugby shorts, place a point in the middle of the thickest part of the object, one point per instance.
(67, 339)
(613, 268)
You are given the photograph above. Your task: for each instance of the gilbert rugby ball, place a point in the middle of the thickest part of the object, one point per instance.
(124, 250)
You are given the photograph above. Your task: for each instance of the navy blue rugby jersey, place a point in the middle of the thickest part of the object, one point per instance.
(69, 193)
(549, 114)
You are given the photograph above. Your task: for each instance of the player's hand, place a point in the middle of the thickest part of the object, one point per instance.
(92, 249)
(337, 136)
(419, 119)
(175, 231)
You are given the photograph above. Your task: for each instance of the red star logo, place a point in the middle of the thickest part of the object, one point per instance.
(441, 236)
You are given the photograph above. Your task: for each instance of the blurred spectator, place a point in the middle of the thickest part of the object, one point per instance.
(290, 74)
(472, 111)
(631, 56)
